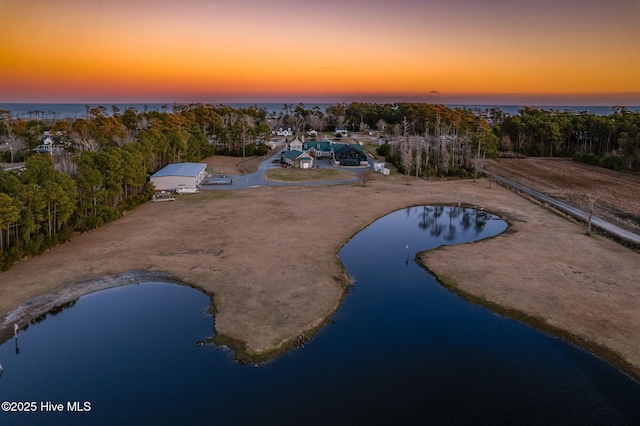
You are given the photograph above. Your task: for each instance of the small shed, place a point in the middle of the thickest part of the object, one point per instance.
(378, 165)
(179, 176)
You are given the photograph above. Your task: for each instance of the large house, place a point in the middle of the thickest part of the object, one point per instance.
(349, 155)
(342, 154)
(318, 149)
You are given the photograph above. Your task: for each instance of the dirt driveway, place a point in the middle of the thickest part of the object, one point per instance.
(268, 256)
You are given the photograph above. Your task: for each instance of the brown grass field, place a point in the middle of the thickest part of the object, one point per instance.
(273, 271)
(617, 195)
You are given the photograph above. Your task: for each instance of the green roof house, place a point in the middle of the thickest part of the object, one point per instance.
(298, 159)
(349, 155)
(317, 149)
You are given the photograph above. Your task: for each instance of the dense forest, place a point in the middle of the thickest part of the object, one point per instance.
(101, 163)
(611, 141)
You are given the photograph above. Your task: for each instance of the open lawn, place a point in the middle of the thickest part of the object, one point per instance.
(303, 175)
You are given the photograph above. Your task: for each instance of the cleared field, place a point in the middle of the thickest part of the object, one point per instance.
(617, 194)
(268, 256)
(300, 175)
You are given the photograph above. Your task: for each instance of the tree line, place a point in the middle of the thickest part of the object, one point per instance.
(611, 141)
(434, 140)
(103, 161)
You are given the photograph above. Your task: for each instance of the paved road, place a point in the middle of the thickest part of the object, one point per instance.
(257, 179)
(606, 226)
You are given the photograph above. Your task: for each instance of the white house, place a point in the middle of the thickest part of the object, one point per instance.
(179, 176)
(295, 145)
(46, 143)
(284, 131)
(341, 131)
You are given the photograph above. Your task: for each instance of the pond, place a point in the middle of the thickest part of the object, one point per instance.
(400, 350)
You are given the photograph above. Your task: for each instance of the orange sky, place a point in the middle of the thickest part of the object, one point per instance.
(251, 50)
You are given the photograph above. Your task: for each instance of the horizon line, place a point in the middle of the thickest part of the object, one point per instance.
(515, 99)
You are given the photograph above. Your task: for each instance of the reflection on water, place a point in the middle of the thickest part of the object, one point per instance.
(400, 350)
(52, 312)
(452, 219)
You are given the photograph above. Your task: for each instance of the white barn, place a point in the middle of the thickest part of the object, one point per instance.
(179, 176)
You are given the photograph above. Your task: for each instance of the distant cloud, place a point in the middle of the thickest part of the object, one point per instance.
(331, 68)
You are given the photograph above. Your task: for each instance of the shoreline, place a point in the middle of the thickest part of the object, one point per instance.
(608, 355)
(271, 284)
(32, 309)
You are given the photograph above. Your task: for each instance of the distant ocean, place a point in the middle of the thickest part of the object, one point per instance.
(24, 110)
(57, 111)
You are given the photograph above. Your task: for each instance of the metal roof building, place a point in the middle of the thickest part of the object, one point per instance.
(179, 176)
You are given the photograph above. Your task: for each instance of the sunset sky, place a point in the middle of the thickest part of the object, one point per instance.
(496, 51)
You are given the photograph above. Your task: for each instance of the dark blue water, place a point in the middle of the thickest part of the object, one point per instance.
(60, 111)
(400, 350)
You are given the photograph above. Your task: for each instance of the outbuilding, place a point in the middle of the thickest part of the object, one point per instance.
(179, 176)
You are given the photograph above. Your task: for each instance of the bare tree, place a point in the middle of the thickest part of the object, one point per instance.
(407, 127)
(591, 203)
(63, 163)
(315, 122)
(245, 131)
(298, 123)
(477, 164)
(406, 156)
(396, 130)
(443, 164)
(84, 141)
(143, 123)
(427, 149)
(15, 143)
(419, 147)
(123, 139)
(365, 176)
(229, 119)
